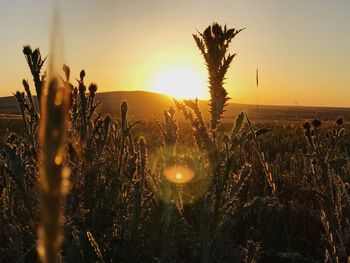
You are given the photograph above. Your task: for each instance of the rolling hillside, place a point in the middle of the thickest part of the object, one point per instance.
(147, 106)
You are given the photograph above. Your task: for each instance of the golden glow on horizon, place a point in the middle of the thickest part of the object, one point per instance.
(117, 55)
(181, 82)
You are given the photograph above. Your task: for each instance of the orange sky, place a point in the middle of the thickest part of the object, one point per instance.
(302, 48)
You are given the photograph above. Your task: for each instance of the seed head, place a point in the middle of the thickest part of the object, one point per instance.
(347, 186)
(93, 88)
(142, 141)
(216, 30)
(66, 70)
(171, 111)
(25, 84)
(124, 106)
(107, 119)
(339, 121)
(82, 75)
(316, 123)
(27, 50)
(307, 125)
(36, 55)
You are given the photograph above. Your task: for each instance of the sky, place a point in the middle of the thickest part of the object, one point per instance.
(302, 48)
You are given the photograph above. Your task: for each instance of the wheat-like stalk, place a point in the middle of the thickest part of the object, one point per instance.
(95, 246)
(52, 172)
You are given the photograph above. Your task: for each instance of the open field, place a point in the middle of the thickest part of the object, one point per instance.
(148, 105)
(138, 177)
(251, 220)
(8, 124)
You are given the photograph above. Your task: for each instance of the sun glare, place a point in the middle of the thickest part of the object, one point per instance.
(179, 174)
(181, 82)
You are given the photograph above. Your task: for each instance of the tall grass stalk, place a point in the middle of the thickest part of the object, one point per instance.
(252, 198)
(52, 172)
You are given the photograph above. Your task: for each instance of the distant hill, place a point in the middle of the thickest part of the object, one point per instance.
(8, 105)
(148, 105)
(142, 104)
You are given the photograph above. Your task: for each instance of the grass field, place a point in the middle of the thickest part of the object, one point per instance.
(192, 184)
(8, 124)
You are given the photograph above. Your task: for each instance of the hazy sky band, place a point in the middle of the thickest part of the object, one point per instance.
(302, 48)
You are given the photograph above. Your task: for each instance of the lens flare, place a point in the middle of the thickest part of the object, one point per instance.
(179, 174)
(183, 181)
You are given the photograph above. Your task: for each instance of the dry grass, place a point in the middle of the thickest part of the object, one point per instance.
(274, 194)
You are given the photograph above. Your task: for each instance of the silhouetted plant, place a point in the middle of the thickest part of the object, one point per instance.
(52, 171)
(257, 195)
(213, 44)
(35, 63)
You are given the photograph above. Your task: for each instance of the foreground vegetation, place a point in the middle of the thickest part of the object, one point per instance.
(274, 194)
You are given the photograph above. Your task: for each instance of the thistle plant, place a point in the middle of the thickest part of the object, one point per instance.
(83, 111)
(328, 182)
(213, 44)
(28, 104)
(170, 130)
(35, 63)
(238, 196)
(139, 188)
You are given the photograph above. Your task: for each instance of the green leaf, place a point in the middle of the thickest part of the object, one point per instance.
(238, 124)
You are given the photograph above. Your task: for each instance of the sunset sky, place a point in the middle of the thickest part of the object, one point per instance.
(302, 48)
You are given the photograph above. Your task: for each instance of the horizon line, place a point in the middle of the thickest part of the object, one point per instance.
(207, 100)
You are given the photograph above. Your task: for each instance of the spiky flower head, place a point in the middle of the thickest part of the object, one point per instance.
(82, 75)
(93, 88)
(316, 123)
(25, 85)
(27, 50)
(107, 120)
(339, 121)
(307, 125)
(213, 44)
(35, 63)
(66, 71)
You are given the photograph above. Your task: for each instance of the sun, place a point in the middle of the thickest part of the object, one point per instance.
(180, 82)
